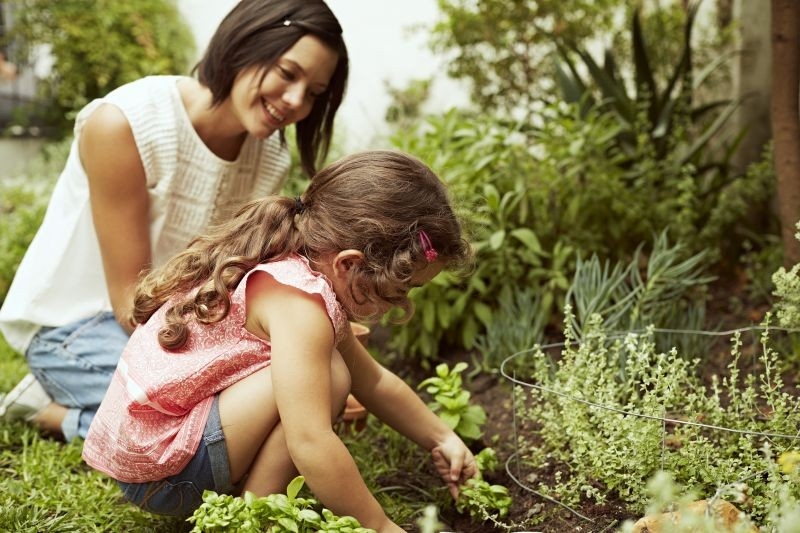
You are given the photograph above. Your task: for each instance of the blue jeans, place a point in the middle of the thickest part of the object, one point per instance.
(181, 494)
(74, 363)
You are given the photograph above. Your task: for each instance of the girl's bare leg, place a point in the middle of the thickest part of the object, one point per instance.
(255, 439)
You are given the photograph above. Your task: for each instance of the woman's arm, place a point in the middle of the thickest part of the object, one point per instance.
(120, 204)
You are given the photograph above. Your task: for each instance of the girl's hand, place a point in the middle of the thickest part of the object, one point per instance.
(454, 462)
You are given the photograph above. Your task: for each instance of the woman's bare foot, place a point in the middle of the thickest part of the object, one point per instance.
(50, 418)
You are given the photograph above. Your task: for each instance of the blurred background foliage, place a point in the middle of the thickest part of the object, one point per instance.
(603, 129)
(95, 46)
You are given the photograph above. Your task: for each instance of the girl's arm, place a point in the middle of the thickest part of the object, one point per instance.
(302, 339)
(389, 398)
(120, 204)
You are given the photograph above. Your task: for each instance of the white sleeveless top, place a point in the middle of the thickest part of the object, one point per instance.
(60, 279)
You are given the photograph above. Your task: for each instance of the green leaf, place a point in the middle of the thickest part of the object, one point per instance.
(492, 196)
(496, 239)
(443, 313)
(293, 489)
(483, 312)
(429, 315)
(288, 525)
(527, 237)
(468, 430)
(309, 515)
(450, 419)
(469, 332)
(459, 368)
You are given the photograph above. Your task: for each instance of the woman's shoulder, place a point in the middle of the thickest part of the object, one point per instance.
(144, 86)
(146, 97)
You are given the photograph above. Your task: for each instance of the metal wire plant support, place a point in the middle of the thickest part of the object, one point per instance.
(512, 465)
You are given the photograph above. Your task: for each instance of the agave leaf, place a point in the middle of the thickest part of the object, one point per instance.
(712, 130)
(643, 73)
(699, 111)
(610, 88)
(701, 76)
(571, 87)
(683, 69)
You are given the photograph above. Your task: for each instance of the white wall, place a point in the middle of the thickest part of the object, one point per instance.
(381, 47)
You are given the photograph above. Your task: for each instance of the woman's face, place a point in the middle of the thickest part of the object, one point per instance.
(287, 91)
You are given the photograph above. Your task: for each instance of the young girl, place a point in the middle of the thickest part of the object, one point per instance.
(153, 164)
(244, 355)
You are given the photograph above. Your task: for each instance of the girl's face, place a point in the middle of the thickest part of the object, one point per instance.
(375, 310)
(265, 102)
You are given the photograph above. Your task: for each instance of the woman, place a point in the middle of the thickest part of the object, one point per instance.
(153, 164)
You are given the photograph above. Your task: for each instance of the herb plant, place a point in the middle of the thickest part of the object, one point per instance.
(611, 412)
(480, 499)
(452, 403)
(272, 514)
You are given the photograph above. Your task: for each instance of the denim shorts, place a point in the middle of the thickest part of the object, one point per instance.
(75, 363)
(181, 494)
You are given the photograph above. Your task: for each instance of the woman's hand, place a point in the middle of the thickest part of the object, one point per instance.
(454, 463)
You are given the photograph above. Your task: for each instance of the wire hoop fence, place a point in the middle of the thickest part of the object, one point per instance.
(514, 465)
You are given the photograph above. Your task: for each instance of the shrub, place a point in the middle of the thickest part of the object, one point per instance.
(536, 196)
(98, 45)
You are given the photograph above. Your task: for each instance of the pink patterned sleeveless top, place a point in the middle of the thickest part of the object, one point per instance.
(152, 418)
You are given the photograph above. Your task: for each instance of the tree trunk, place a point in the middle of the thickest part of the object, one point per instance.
(785, 118)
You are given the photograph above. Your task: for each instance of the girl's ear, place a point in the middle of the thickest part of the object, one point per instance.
(345, 261)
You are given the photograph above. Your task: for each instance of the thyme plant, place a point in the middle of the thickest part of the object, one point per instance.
(612, 412)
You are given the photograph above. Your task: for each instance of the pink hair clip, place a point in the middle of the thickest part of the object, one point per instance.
(430, 252)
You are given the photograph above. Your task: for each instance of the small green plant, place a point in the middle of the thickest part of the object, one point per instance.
(483, 501)
(486, 460)
(272, 514)
(480, 499)
(452, 403)
(669, 292)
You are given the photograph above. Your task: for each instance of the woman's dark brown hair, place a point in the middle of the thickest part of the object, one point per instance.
(255, 34)
(375, 202)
